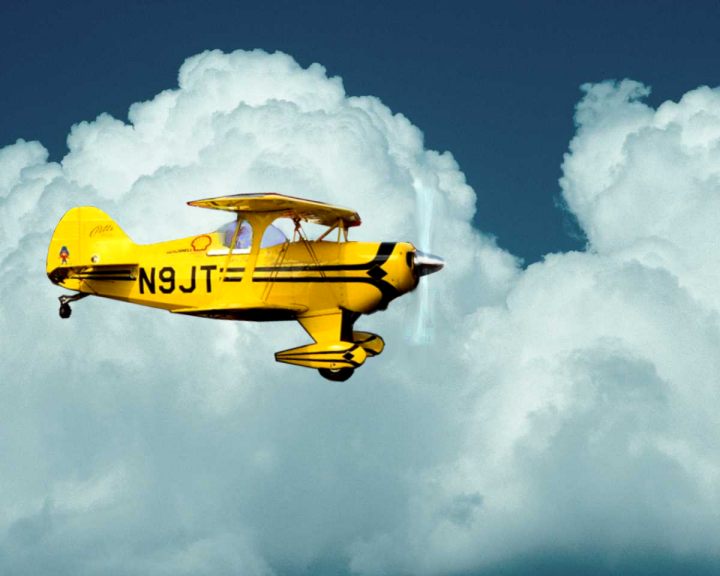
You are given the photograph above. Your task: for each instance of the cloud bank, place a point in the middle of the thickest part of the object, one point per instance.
(567, 410)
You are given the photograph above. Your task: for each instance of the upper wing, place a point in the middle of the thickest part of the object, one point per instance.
(284, 206)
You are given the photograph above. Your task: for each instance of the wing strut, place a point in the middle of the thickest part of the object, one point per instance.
(301, 235)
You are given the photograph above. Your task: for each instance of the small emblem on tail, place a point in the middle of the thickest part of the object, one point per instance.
(64, 254)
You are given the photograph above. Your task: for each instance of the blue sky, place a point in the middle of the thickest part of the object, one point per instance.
(562, 418)
(495, 83)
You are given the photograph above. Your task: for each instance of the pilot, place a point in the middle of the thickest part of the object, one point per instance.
(272, 237)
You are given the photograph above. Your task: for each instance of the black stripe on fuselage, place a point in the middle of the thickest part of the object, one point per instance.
(107, 271)
(97, 274)
(387, 290)
(106, 277)
(384, 251)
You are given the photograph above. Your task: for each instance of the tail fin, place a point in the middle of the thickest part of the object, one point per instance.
(86, 236)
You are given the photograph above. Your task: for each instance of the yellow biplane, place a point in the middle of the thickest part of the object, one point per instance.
(248, 270)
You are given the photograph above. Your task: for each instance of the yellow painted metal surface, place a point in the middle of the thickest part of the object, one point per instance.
(283, 207)
(325, 285)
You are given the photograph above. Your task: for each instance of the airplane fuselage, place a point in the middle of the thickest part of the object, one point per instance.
(324, 285)
(198, 273)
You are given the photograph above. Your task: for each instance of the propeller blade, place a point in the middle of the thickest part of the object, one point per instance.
(423, 264)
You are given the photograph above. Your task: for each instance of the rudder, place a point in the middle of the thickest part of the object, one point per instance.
(86, 236)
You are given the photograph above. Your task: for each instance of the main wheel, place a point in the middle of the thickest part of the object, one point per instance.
(65, 310)
(337, 374)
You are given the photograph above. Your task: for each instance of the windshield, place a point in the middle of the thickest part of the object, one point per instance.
(272, 236)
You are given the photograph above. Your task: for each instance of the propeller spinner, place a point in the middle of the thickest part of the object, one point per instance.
(425, 264)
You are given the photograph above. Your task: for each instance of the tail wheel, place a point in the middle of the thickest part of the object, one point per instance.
(65, 300)
(65, 310)
(337, 374)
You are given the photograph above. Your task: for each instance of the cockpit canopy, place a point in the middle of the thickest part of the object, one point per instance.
(272, 236)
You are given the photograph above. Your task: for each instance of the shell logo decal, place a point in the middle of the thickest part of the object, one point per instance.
(201, 243)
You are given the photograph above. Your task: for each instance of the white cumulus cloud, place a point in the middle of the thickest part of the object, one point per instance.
(565, 408)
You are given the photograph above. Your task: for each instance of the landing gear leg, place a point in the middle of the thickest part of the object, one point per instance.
(65, 300)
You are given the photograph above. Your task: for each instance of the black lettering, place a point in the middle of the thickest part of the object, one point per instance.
(190, 288)
(167, 276)
(208, 279)
(144, 280)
